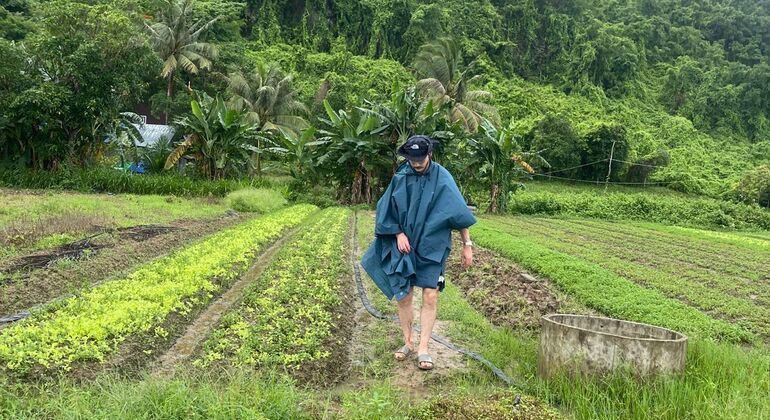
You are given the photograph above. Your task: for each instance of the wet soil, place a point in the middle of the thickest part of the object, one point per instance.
(504, 293)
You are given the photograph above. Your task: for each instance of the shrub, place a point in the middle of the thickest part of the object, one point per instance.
(672, 210)
(102, 179)
(255, 200)
(755, 187)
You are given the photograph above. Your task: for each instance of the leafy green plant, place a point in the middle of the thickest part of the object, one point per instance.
(255, 200)
(286, 316)
(219, 137)
(353, 152)
(91, 326)
(497, 158)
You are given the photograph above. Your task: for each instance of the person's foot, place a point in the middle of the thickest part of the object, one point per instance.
(424, 362)
(402, 353)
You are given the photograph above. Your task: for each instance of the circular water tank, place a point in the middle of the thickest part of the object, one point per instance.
(599, 345)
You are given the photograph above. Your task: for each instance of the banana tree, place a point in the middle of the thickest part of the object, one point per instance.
(295, 151)
(220, 138)
(499, 162)
(353, 152)
(406, 114)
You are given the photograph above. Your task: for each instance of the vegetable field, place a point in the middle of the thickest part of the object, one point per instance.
(280, 331)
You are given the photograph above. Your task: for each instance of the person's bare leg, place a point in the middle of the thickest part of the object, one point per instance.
(405, 318)
(427, 318)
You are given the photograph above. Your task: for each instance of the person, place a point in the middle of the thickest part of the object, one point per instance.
(413, 237)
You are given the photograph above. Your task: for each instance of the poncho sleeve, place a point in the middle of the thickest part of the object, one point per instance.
(460, 217)
(387, 221)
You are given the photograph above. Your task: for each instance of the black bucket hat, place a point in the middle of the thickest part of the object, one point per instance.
(416, 147)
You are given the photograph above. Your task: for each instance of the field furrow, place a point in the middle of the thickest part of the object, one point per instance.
(601, 288)
(741, 284)
(92, 325)
(697, 293)
(289, 316)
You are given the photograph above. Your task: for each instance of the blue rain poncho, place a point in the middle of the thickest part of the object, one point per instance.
(426, 207)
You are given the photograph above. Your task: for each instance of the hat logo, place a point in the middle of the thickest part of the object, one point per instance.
(415, 147)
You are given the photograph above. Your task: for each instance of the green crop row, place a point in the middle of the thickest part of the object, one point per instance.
(715, 293)
(287, 315)
(93, 324)
(603, 289)
(742, 273)
(682, 242)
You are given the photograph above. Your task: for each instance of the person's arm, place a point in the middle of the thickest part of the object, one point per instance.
(467, 256)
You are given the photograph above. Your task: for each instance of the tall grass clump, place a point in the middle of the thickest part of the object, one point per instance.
(255, 200)
(108, 180)
(721, 381)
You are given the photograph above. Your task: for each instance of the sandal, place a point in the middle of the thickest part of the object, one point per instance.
(403, 353)
(424, 358)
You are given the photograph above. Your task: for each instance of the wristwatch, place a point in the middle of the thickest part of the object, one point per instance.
(468, 243)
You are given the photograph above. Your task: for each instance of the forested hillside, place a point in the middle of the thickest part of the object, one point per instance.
(681, 88)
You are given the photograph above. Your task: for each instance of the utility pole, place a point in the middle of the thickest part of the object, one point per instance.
(609, 168)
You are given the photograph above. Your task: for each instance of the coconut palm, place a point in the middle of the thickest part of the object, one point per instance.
(269, 100)
(175, 39)
(438, 64)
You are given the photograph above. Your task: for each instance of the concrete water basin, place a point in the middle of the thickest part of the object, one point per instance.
(600, 345)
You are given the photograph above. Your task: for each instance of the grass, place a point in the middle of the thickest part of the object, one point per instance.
(632, 204)
(120, 210)
(255, 200)
(108, 180)
(242, 395)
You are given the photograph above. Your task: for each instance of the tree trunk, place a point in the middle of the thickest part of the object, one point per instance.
(169, 94)
(494, 192)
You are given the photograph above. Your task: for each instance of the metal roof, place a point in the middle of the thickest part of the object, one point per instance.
(152, 133)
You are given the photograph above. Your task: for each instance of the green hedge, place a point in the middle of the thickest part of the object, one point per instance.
(672, 210)
(109, 180)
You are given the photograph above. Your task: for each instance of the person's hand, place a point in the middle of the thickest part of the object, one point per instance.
(403, 243)
(466, 260)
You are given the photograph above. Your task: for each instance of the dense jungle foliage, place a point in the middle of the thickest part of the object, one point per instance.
(668, 92)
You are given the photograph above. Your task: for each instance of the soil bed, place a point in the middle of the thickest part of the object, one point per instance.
(504, 293)
(116, 257)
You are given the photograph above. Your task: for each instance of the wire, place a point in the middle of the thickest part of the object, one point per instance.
(637, 164)
(602, 182)
(575, 167)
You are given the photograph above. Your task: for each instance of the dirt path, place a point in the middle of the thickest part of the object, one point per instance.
(186, 345)
(374, 341)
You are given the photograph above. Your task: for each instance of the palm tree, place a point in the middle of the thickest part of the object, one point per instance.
(270, 102)
(175, 40)
(438, 64)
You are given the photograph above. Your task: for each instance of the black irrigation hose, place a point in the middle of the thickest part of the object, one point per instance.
(437, 338)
